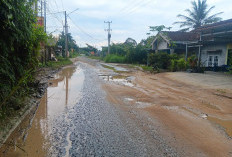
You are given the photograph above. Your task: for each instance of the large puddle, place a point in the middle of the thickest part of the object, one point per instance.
(32, 137)
(226, 124)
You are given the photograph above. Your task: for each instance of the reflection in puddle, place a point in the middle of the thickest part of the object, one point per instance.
(129, 99)
(226, 124)
(143, 104)
(115, 67)
(120, 81)
(32, 136)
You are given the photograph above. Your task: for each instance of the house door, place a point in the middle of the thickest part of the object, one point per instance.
(213, 61)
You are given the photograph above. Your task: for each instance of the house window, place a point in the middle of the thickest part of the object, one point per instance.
(213, 60)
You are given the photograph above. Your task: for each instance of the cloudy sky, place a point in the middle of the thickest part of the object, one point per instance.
(130, 18)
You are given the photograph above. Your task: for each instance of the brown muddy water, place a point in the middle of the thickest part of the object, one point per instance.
(32, 137)
(226, 124)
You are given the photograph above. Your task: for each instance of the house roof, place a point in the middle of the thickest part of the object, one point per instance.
(181, 36)
(220, 31)
(215, 26)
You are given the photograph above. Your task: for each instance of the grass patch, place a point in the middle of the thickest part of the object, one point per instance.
(60, 63)
(111, 58)
(95, 57)
(120, 77)
(108, 67)
(144, 67)
(147, 68)
(221, 91)
(74, 55)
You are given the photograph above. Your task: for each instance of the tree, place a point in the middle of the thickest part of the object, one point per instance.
(71, 42)
(130, 42)
(158, 29)
(199, 15)
(19, 46)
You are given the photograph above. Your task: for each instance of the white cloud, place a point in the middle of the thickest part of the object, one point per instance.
(131, 18)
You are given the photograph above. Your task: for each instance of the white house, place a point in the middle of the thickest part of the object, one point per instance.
(211, 43)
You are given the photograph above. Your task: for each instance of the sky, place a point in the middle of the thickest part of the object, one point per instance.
(130, 18)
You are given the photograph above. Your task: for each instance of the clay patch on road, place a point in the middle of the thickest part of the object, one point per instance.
(182, 108)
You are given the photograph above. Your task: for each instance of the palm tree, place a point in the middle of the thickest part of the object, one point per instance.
(198, 16)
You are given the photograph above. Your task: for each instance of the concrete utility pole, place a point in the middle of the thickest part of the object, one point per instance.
(66, 31)
(45, 16)
(66, 35)
(186, 52)
(109, 34)
(41, 8)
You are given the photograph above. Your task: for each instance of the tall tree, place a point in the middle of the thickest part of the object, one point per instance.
(71, 42)
(197, 16)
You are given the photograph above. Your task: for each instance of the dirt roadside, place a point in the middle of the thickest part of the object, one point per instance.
(194, 110)
(42, 77)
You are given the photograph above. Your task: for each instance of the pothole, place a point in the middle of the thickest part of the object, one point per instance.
(143, 104)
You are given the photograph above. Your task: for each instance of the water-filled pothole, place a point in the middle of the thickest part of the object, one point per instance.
(226, 124)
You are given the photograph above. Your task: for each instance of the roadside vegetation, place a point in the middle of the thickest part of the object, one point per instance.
(139, 55)
(19, 45)
(57, 64)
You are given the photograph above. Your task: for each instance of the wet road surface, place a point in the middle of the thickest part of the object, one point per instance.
(74, 118)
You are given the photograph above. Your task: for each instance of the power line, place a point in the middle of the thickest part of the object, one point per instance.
(131, 6)
(136, 8)
(127, 6)
(84, 32)
(62, 4)
(54, 15)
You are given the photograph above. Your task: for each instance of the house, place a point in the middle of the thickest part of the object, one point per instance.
(173, 42)
(211, 43)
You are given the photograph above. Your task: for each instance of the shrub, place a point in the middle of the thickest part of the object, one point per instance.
(19, 42)
(192, 62)
(173, 66)
(160, 60)
(111, 58)
(181, 64)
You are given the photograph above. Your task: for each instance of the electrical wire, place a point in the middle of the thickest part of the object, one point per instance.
(62, 4)
(142, 5)
(84, 32)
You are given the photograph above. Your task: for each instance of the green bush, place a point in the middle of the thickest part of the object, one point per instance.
(160, 60)
(181, 64)
(111, 58)
(73, 54)
(192, 62)
(61, 62)
(173, 67)
(19, 43)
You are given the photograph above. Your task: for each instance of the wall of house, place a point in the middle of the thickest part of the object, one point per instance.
(162, 45)
(222, 56)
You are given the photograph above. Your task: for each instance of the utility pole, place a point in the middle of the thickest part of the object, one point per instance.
(66, 35)
(66, 31)
(41, 8)
(186, 52)
(109, 34)
(45, 17)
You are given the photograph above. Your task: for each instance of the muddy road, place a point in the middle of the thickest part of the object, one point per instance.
(98, 109)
